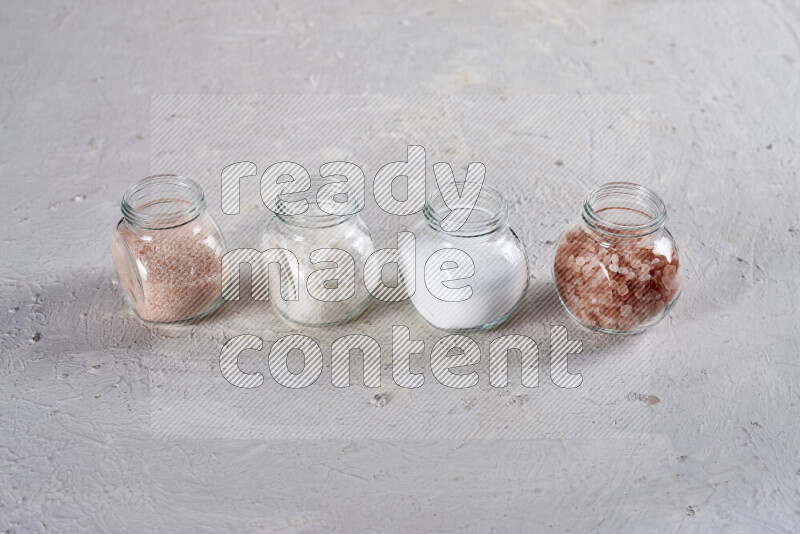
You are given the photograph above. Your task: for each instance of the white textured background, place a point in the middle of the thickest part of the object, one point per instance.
(722, 447)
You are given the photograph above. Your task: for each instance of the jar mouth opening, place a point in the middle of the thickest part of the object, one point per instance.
(163, 201)
(489, 214)
(624, 209)
(314, 216)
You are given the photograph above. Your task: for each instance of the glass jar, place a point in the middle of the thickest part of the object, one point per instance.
(486, 287)
(337, 292)
(617, 270)
(168, 250)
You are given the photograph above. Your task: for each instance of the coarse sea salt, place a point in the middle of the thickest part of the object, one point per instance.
(315, 230)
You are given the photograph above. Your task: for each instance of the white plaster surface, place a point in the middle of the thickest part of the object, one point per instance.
(717, 404)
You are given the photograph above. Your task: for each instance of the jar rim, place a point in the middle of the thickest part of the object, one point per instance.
(637, 201)
(489, 202)
(313, 221)
(162, 201)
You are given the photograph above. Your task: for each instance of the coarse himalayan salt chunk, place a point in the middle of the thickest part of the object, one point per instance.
(618, 285)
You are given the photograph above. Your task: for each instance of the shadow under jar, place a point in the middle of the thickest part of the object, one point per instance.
(617, 270)
(168, 250)
(475, 298)
(328, 295)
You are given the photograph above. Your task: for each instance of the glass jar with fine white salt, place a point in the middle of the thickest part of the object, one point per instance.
(473, 277)
(617, 269)
(331, 251)
(168, 250)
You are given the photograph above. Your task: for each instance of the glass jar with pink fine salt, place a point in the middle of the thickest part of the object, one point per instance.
(617, 270)
(168, 250)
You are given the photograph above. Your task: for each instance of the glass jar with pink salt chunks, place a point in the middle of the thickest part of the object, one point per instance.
(168, 250)
(617, 270)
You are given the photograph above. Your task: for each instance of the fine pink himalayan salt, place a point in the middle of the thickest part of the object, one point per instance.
(171, 274)
(618, 285)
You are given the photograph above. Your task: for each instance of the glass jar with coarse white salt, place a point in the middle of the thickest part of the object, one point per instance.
(331, 251)
(617, 270)
(468, 278)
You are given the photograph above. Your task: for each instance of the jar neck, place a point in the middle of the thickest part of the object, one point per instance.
(623, 209)
(163, 201)
(313, 217)
(489, 214)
